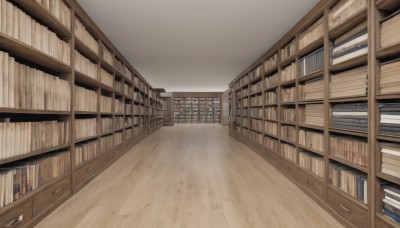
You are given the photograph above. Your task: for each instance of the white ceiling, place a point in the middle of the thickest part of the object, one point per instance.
(188, 45)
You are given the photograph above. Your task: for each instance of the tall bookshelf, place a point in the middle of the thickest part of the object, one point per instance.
(68, 111)
(197, 108)
(305, 114)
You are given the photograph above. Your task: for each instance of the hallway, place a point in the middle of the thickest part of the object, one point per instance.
(190, 176)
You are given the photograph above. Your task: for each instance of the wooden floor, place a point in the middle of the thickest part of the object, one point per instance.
(190, 176)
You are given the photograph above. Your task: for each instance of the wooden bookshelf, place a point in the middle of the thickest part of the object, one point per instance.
(35, 205)
(347, 209)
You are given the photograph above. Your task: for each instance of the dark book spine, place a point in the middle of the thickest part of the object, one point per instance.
(392, 216)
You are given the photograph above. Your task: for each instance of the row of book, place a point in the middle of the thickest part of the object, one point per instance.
(18, 180)
(106, 143)
(270, 143)
(289, 152)
(119, 86)
(23, 87)
(271, 81)
(352, 149)
(255, 101)
(256, 124)
(390, 118)
(106, 54)
(106, 78)
(288, 132)
(59, 10)
(350, 116)
(85, 99)
(350, 83)
(288, 50)
(85, 37)
(256, 112)
(270, 113)
(255, 73)
(255, 136)
(271, 62)
(289, 114)
(271, 97)
(312, 90)
(271, 128)
(312, 33)
(86, 151)
(352, 44)
(256, 87)
(344, 10)
(128, 109)
(85, 128)
(119, 122)
(390, 153)
(106, 125)
(311, 139)
(312, 162)
(289, 73)
(349, 180)
(17, 138)
(119, 106)
(105, 104)
(20, 26)
(85, 66)
(312, 62)
(312, 114)
(118, 138)
(289, 94)
(128, 90)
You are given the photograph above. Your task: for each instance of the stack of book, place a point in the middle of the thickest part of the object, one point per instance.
(106, 78)
(389, 80)
(85, 99)
(288, 50)
(344, 10)
(350, 83)
(312, 90)
(85, 128)
(311, 139)
(312, 62)
(390, 36)
(17, 138)
(390, 118)
(271, 62)
(84, 36)
(350, 116)
(85, 151)
(352, 149)
(312, 162)
(23, 87)
(18, 180)
(289, 73)
(390, 159)
(289, 152)
(312, 114)
(350, 181)
(350, 45)
(391, 202)
(313, 33)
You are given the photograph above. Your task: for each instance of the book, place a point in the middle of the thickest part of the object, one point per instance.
(312, 62)
(271, 81)
(388, 34)
(288, 50)
(312, 162)
(85, 66)
(85, 99)
(289, 152)
(312, 114)
(271, 127)
(349, 83)
(345, 10)
(289, 94)
(312, 33)
(289, 73)
(350, 116)
(85, 127)
(388, 80)
(270, 143)
(288, 132)
(86, 151)
(288, 114)
(390, 118)
(311, 139)
(83, 35)
(312, 90)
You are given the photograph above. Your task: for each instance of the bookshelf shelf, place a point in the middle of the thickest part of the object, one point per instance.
(311, 126)
(85, 113)
(313, 75)
(290, 82)
(348, 99)
(287, 123)
(86, 139)
(86, 51)
(388, 177)
(348, 197)
(383, 221)
(311, 150)
(287, 61)
(106, 65)
(388, 51)
(47, 18)
(390, 138)
(33, 111)
(388, 96)
(271, 70)
(310, 102)
(31, 54)
(86, 80)
(348, 24)
(32, 154)
(288, 141)
(348, 132)
(387, 4)
(311, 47)
(358, 61)
(348, 163)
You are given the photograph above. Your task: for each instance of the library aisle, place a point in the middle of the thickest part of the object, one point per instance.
(185, 176)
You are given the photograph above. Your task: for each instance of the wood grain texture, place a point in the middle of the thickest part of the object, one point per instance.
(186, 176)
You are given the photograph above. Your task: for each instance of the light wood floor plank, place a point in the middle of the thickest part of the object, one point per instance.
(190, 177)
